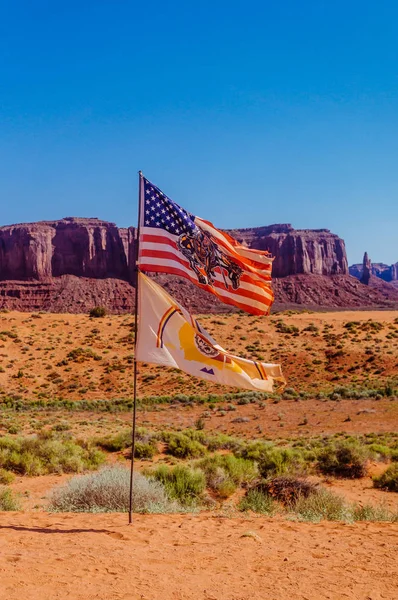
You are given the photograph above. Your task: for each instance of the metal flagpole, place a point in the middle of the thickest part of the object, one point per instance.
(136, 271)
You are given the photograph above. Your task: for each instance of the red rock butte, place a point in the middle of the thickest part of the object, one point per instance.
(74, 264)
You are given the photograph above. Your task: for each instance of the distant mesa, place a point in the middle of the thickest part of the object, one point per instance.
(385, 272)
(74, 264)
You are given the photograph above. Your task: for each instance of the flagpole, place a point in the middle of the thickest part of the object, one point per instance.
(136, 271)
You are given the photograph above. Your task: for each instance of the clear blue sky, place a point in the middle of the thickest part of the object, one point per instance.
(246, 113)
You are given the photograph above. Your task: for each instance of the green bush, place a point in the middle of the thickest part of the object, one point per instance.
(223, 467)
(6, 477)
(181, 483)
(345, 459)
(181, 446)
(115, 443)
(108, 491)
(258, 502)
(277, 461)
(145, 443)
(8, 500)
(42, 454)
(388, 480)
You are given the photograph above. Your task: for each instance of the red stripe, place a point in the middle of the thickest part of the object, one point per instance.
(246, 276)
(230, 244)
(247, 263)
(172, 258)
(174, 271)
(150, 253)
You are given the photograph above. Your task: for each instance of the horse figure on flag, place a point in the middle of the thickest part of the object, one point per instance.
(205, 256)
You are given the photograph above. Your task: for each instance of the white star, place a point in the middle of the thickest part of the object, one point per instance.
(177, 230)
(148, 202)
(152, 218)
(147, 192)
(152, 208)
(167, 227)
(158, 214)
(153, 198)
(163, 211)
(147, 212)
(158, 204)
(146, 222)
(157, 223)
(168, 217)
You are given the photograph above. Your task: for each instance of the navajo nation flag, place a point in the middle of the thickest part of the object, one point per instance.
(175, 241)
(168, 335)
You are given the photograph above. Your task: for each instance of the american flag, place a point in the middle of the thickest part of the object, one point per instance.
(174, 241)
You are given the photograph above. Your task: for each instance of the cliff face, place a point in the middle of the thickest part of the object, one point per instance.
(81, 247)
(97, 249)
(298, 251)
(74, 264)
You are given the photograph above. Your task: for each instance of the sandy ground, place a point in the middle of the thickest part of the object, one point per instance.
(87, 557)
(35, 351)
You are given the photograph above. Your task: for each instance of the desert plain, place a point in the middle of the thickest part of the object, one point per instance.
(68, 379)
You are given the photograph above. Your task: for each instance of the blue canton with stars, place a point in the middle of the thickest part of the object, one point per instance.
(162, 213)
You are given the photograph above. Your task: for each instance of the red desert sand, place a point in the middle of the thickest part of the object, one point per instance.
(181, 557)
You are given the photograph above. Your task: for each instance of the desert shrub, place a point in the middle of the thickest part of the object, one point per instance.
(181, 482)
(145, 450)
(8, 501)
(287, 489)
(145, 444)
(240, 470)
(388, 480)
(253, 450)
(379, 450)
(277, 461)
(258, 502)
(115, 443)
(222, 441)
(40, 454)
(322, 505)
(368, 512)
(97, 312)
(6, 477)
(62, 426)
(344, 459)
(108, 491)
(182, 446)
(81, 355)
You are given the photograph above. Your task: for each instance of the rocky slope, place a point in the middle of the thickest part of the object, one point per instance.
(74, 264)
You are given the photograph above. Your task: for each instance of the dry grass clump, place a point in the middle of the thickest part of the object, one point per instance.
(108, 491)
(258, 502)
(8, 501)
(321, 505)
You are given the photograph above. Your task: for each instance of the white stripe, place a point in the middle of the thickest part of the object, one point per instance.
(166, 248)
(153, 262)
(255, 273)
